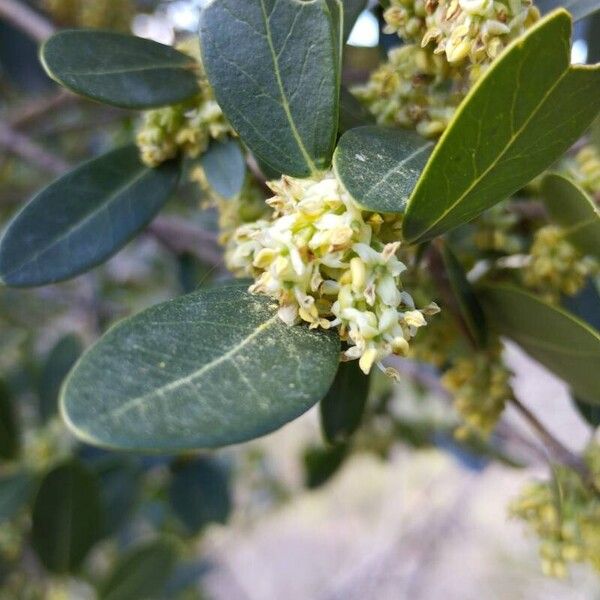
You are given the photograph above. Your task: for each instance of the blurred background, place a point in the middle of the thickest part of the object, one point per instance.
(407, 513)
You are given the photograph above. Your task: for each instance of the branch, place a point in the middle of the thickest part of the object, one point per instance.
(22, 146)
(26, 19)
(32, 111)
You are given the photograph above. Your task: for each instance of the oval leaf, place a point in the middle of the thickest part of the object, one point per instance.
(59, 362)
(321, 464)
(83, 218)
(520, 117)
(67, 517)
(590, 412)
(199, 494)
(343, 407)
(280, 87)
(379, 167)
(121, 70)
(9, 430)
(571, 208)
(224, 167)
(551, 335)
(213, 368)
(140, 574)
(15, 490)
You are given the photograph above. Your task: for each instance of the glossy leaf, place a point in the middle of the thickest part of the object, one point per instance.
(528, 108)
(560, 341)
(200, 495)
(83, 218)
(67, 517)
(213, 368)
(343, 407)
(15, 490)
(352, 112)
(578, 8)
(380, 167)
(466, 301)
(9, 429)
(571, 208)
(140, 574)
(59, 362)
(280, 87)
(121, 70)
(225, 167)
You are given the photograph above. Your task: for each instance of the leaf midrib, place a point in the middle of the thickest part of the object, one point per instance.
(174, 385)
(81, 223)
(494, 163)
(284, 101)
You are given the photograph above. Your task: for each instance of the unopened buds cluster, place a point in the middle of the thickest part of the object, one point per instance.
(449, 44)
(495, 231)
(480, 385)
(555, 266)
(585, 169)
(183, 128)
(463, 31)
(96, 14)
(565, 514)
(327, 263)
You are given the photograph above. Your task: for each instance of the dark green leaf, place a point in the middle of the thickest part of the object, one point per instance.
(15, 491)
(119, 69)
(520, 117)
(83, 218)
(343, 407)
(200, 494)
(352, 112)
(67, 517)
(380, 167)
(470, 310)
(560, 341)
(59, 362)
(140, 574)
(590, 412)
(275, 69)
(321, 464)
(9, 429)
(571, 208)
(225, 167)
(578, 8)
(212, 368)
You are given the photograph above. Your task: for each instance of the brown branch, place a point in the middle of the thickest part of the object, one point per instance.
(21, 145)
(32, 111)
(558, 451)
(26, 19)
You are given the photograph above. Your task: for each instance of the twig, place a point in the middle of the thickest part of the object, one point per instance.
(180, 237)
(22, 146)
(26, 19)
(559, 452)
(39, 108)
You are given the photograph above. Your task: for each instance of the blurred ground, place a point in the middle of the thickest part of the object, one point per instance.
(420, 526)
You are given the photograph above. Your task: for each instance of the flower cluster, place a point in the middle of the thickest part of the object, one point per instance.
(96, 14)
(330, 264)
(495, 231)
(183, 128)
(480, 384)
(555, 266)
(464, 31)
(449, 45)
(585, 169)
(565, 514)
